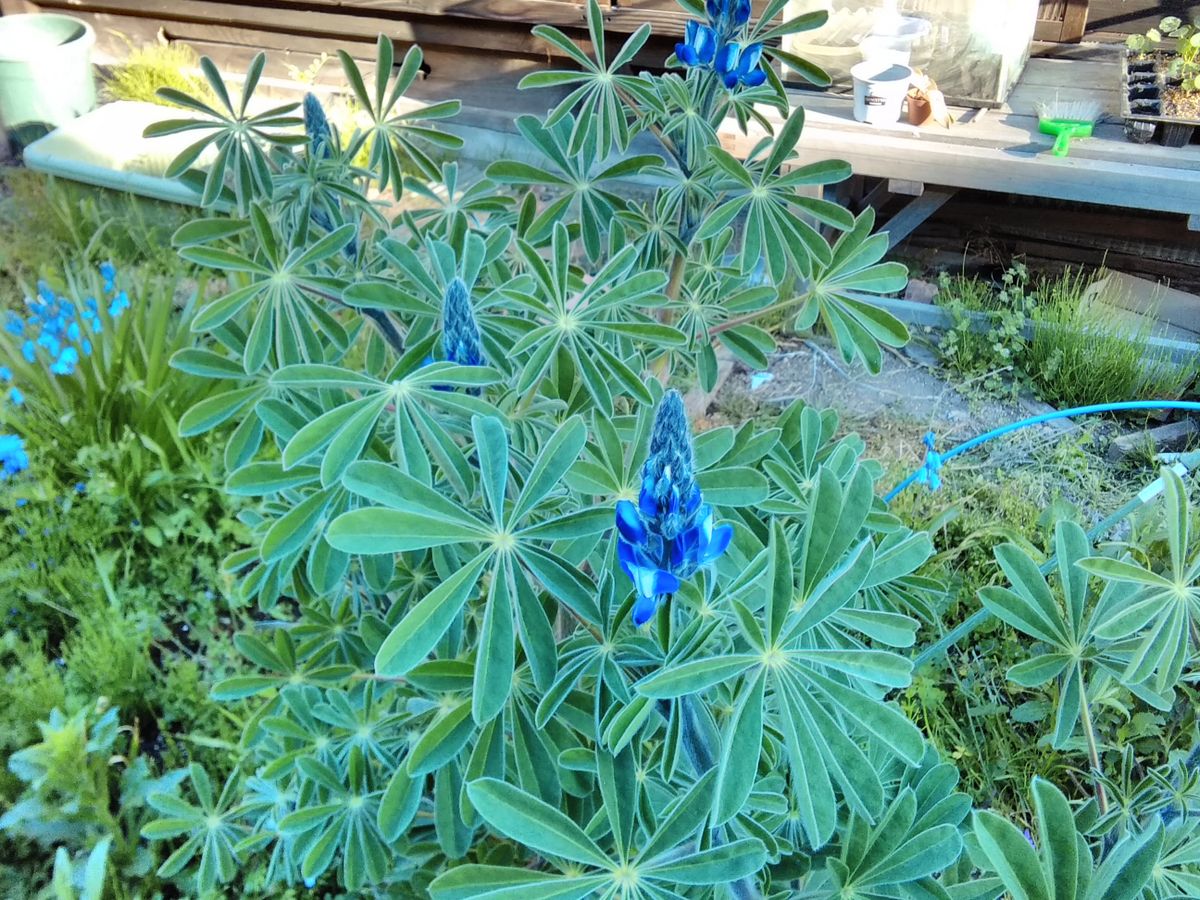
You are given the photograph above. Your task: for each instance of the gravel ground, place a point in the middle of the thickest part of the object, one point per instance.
(893, 410)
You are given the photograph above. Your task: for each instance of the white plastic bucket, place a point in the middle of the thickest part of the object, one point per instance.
(879, 89)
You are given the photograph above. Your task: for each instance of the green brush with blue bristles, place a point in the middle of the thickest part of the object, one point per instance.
(1067, 120)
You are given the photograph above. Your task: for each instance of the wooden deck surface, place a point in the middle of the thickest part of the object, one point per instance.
(1002, 150)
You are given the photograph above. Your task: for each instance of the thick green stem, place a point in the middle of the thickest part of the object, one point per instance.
(1089, 733)
(751, 316)
(703, 758)
(380, 319)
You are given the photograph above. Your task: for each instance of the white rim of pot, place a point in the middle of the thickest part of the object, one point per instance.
(86, 35)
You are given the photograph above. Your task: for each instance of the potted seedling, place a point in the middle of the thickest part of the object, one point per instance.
(1162, 83)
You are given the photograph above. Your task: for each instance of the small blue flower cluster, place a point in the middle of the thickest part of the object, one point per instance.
(669, 534)
(13, 458)
(59, 329)
(460, 332)
(712, 46)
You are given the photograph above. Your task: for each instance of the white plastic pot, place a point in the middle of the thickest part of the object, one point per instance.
(879, 89)
(45, 71)
(892, 40)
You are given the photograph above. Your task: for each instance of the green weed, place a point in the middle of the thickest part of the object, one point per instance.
(1084, 351)
(1052, 336)
(147, 68)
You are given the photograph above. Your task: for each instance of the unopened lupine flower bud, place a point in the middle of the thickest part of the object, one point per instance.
(316, 126)
(460, 332)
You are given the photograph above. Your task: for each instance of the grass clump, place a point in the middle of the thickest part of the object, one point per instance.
(1085, 351)
(1053, 335)
(148, 68)
(45, 221)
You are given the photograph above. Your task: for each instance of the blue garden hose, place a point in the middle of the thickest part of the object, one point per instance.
(930, 471)
(930, 474)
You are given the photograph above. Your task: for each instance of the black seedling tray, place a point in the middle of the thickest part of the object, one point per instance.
(1141, 106)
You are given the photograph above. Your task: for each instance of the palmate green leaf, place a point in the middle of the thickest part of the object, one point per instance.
(602, 123)
(216, 410)
(590, 324)
(241, 162)
(533, 823)
(1011, 608)
(685, 819)
(502, 883)
(399, 138)
(417, 517)
(1127, 869)
(441, 742)
(399, 804)
(1010, 856)
(695, 676)
(1064, 868)
(420, 630)
(589, 185)
(1056, 825)
(840, 294)
(283, 294)
(414, 409)
(776, 214)
(898, 851)
(738, 764)
(495, 657)
(373, 530)
(718, 865)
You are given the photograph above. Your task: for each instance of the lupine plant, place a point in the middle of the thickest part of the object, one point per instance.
(522, 632)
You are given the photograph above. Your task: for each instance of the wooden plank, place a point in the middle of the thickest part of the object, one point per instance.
(1157, 236)
(337, 26)
(1063, 21)
(666, 17)
(905, 187)
(886, 154)
(915, 213)
(625, 18)
(1001, 130)
(1074, 22)
(484, 84)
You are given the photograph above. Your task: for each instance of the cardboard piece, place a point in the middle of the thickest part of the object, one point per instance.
(1175, 313)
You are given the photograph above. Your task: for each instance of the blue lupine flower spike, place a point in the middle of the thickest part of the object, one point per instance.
(669, 534)
(739, 64)
(728, 14)
(931, 469)
(699, 46)
(316, 126)
(716, 45)
(460, 333)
